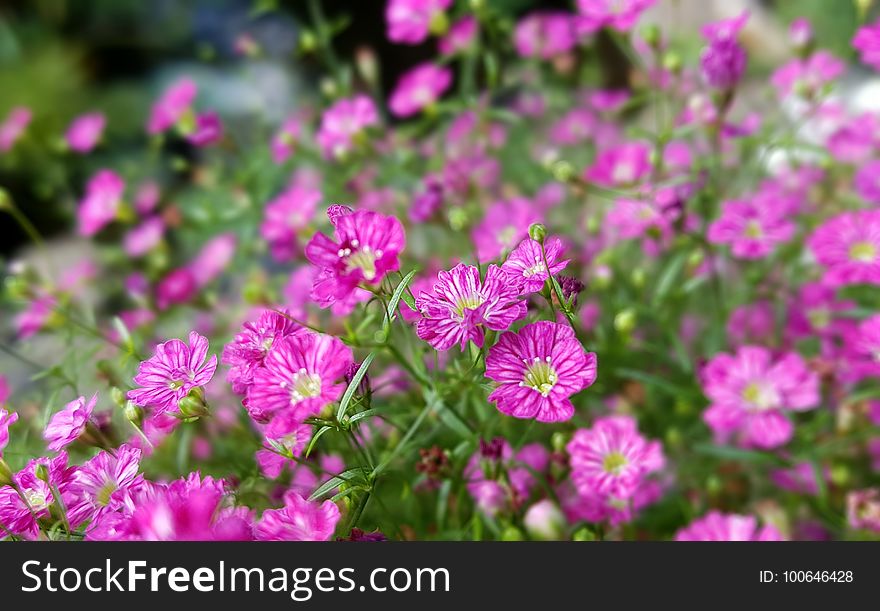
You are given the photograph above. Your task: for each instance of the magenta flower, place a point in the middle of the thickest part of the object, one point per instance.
(285, 139)
(611, 458)
(800, 32)
(620, 166)
(171, 105)
(298, 520)
(863, 509)
(544, 34)
(411, 21)
(85, 131)
(485, 469)
(101, 202)
(212, 258)
(505, 225)
(751, 228)
(7, 419)
(343, 123)
(145, 237)
(529, 263)
(861, 349)
(13, 127)
(4, 389)
(106, 482)
(419, 88)
(575, 126)
(537, 369)
(282, 434)
(867, 182)
(365, 247)
(146, 197)
(807, 77)
(178, 286)
(723, 61)
(287, 215)
(867, 43)
(717, 526)
(459, 305)
(620, 15)
(299, 376)
(750, 393)
(632, 218)
(848, 246)
(21, 519)
(460, 37)
(70, 423)
(174, 369)
(208, 129)
(248, 350)
(35, 317)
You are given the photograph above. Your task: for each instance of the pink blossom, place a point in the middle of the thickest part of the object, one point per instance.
(282, 433)
(530, 263)
(752, 323)
(106, 483)
(750, 392)
(142, 239)
(365, 247)
(867, 182)
(863, 509)
(575, 126)
(21, 519)
(67, 425)
(807, 77)
(460, 37)
(35, 317)
(620, 15)
(505, 225)
(248, 350)
(816, 312)
(612, 458)
(285, 139)
(867, 43)
(410, 21)
(485, 469)
(146, 197)
(723, 61)
(343, 123)
(208, 129)
(751, 228)
(178, 286)
(298, 520)
(717, 526)
(101, 202)
(172, 372)
(299, 376)
(13, 127)
(537, 369)
(544, 34)
(848, 246)
(460, 305)
(800, 33)
(7, 419)
(862, 349)
(285, 217)
(85, 131)
(621, 165)
(213, 258)
(419, 88)
(171, 105)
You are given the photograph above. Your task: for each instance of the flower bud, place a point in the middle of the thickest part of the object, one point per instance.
(118, 396)
(308, 42)
(367, 64)
(625, 320)
(133, 413)
(672, 62)
(651, 35)
(544, 521)
(5, 473)
(512, 533)
(439, 23)
(193, 405)
(558, 441)
(5, 200)
(583, 534)
(41, 472)
(562, 170)
(538, 232)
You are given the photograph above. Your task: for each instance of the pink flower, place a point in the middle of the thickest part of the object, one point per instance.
(284, 140)
(298, 520)
(174, 369)
(632, 218)
(529, 263)
(13, 127)
(544, 34)
(460, 37)
(861, 346)
(4, 389)
(575, 127)
(21, 519)
(621, 165)
(365, 247)
(66, 426)
(752, 323)
(287, 215)
(752, 228)
(35, 317)
(146, 197)
(867, 182)
(419, 88)
(815, 312)
(299, 376)
(343, 123)
(290, 436)
(717, 526)
(505, 225)
(7, 419)
(750, 393)
(208, 129)
(171, 105)
(863, 509)
(723, 61)
(106, 483)
(213, 258)
(459, 305)
(485, 469)
(178, 286)
(142, 239)
(611, 458)
(867, 43)
(807, 77)
(85, 131)
(537, 369)
(101, 202)
(800, 33)
(248, 351)
(848, 246)
(620, 15)
(410, 21)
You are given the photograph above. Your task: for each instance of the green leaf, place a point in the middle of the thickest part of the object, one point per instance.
(353, 385)
(347, 476)
(668, 277)
(395, 299)
(738, 454)
(367, 413)
(314, 440)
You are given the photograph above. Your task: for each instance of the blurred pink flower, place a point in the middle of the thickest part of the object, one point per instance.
(101, 202)
(85, 131)
(419, 88)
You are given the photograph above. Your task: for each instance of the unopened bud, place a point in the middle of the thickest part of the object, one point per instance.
(538, 232)
(512, 533)
(625, 320)
(308, 42)
(558, 441)
(651, 35)
(583, 534)
(193, 405)
(133, 413)
(439, 23)
(41, 472)
(118, 396)
(562, 170)
(367, 64)
(672, 62)
(544, 521)
(5, 200)
(5, 473)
